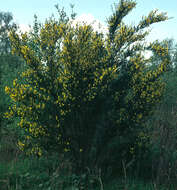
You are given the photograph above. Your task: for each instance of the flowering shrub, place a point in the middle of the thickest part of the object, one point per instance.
(84, 94)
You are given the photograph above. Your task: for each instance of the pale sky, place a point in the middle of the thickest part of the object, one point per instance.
(23, 12)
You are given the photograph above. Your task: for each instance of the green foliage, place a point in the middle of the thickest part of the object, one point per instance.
(49, 173)
(10, 65)
(41, 173)
(6, 25)
(134, 185)
(5, 59)
(86, 95)
(162, 126)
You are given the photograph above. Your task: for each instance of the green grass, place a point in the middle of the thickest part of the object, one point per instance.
(41, 174)
(134, 185)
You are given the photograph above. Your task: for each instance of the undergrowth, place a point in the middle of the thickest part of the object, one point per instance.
(49, 174)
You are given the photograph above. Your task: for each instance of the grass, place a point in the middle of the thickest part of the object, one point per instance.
(134, 185)
(42, 174)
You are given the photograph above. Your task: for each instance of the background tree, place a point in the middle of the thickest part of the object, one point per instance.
(10, 65)
(6, 24)
(86, 95)
(162, 125)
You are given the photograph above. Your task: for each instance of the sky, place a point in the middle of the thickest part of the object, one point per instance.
(23, 12)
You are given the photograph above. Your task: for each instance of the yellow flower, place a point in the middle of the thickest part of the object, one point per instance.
(21, 145)
(39, 153)
(140, 116)
(35, 91)
(66, 150)
(81, 150)
(14, 82)
(7, 89)
(43, 106)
